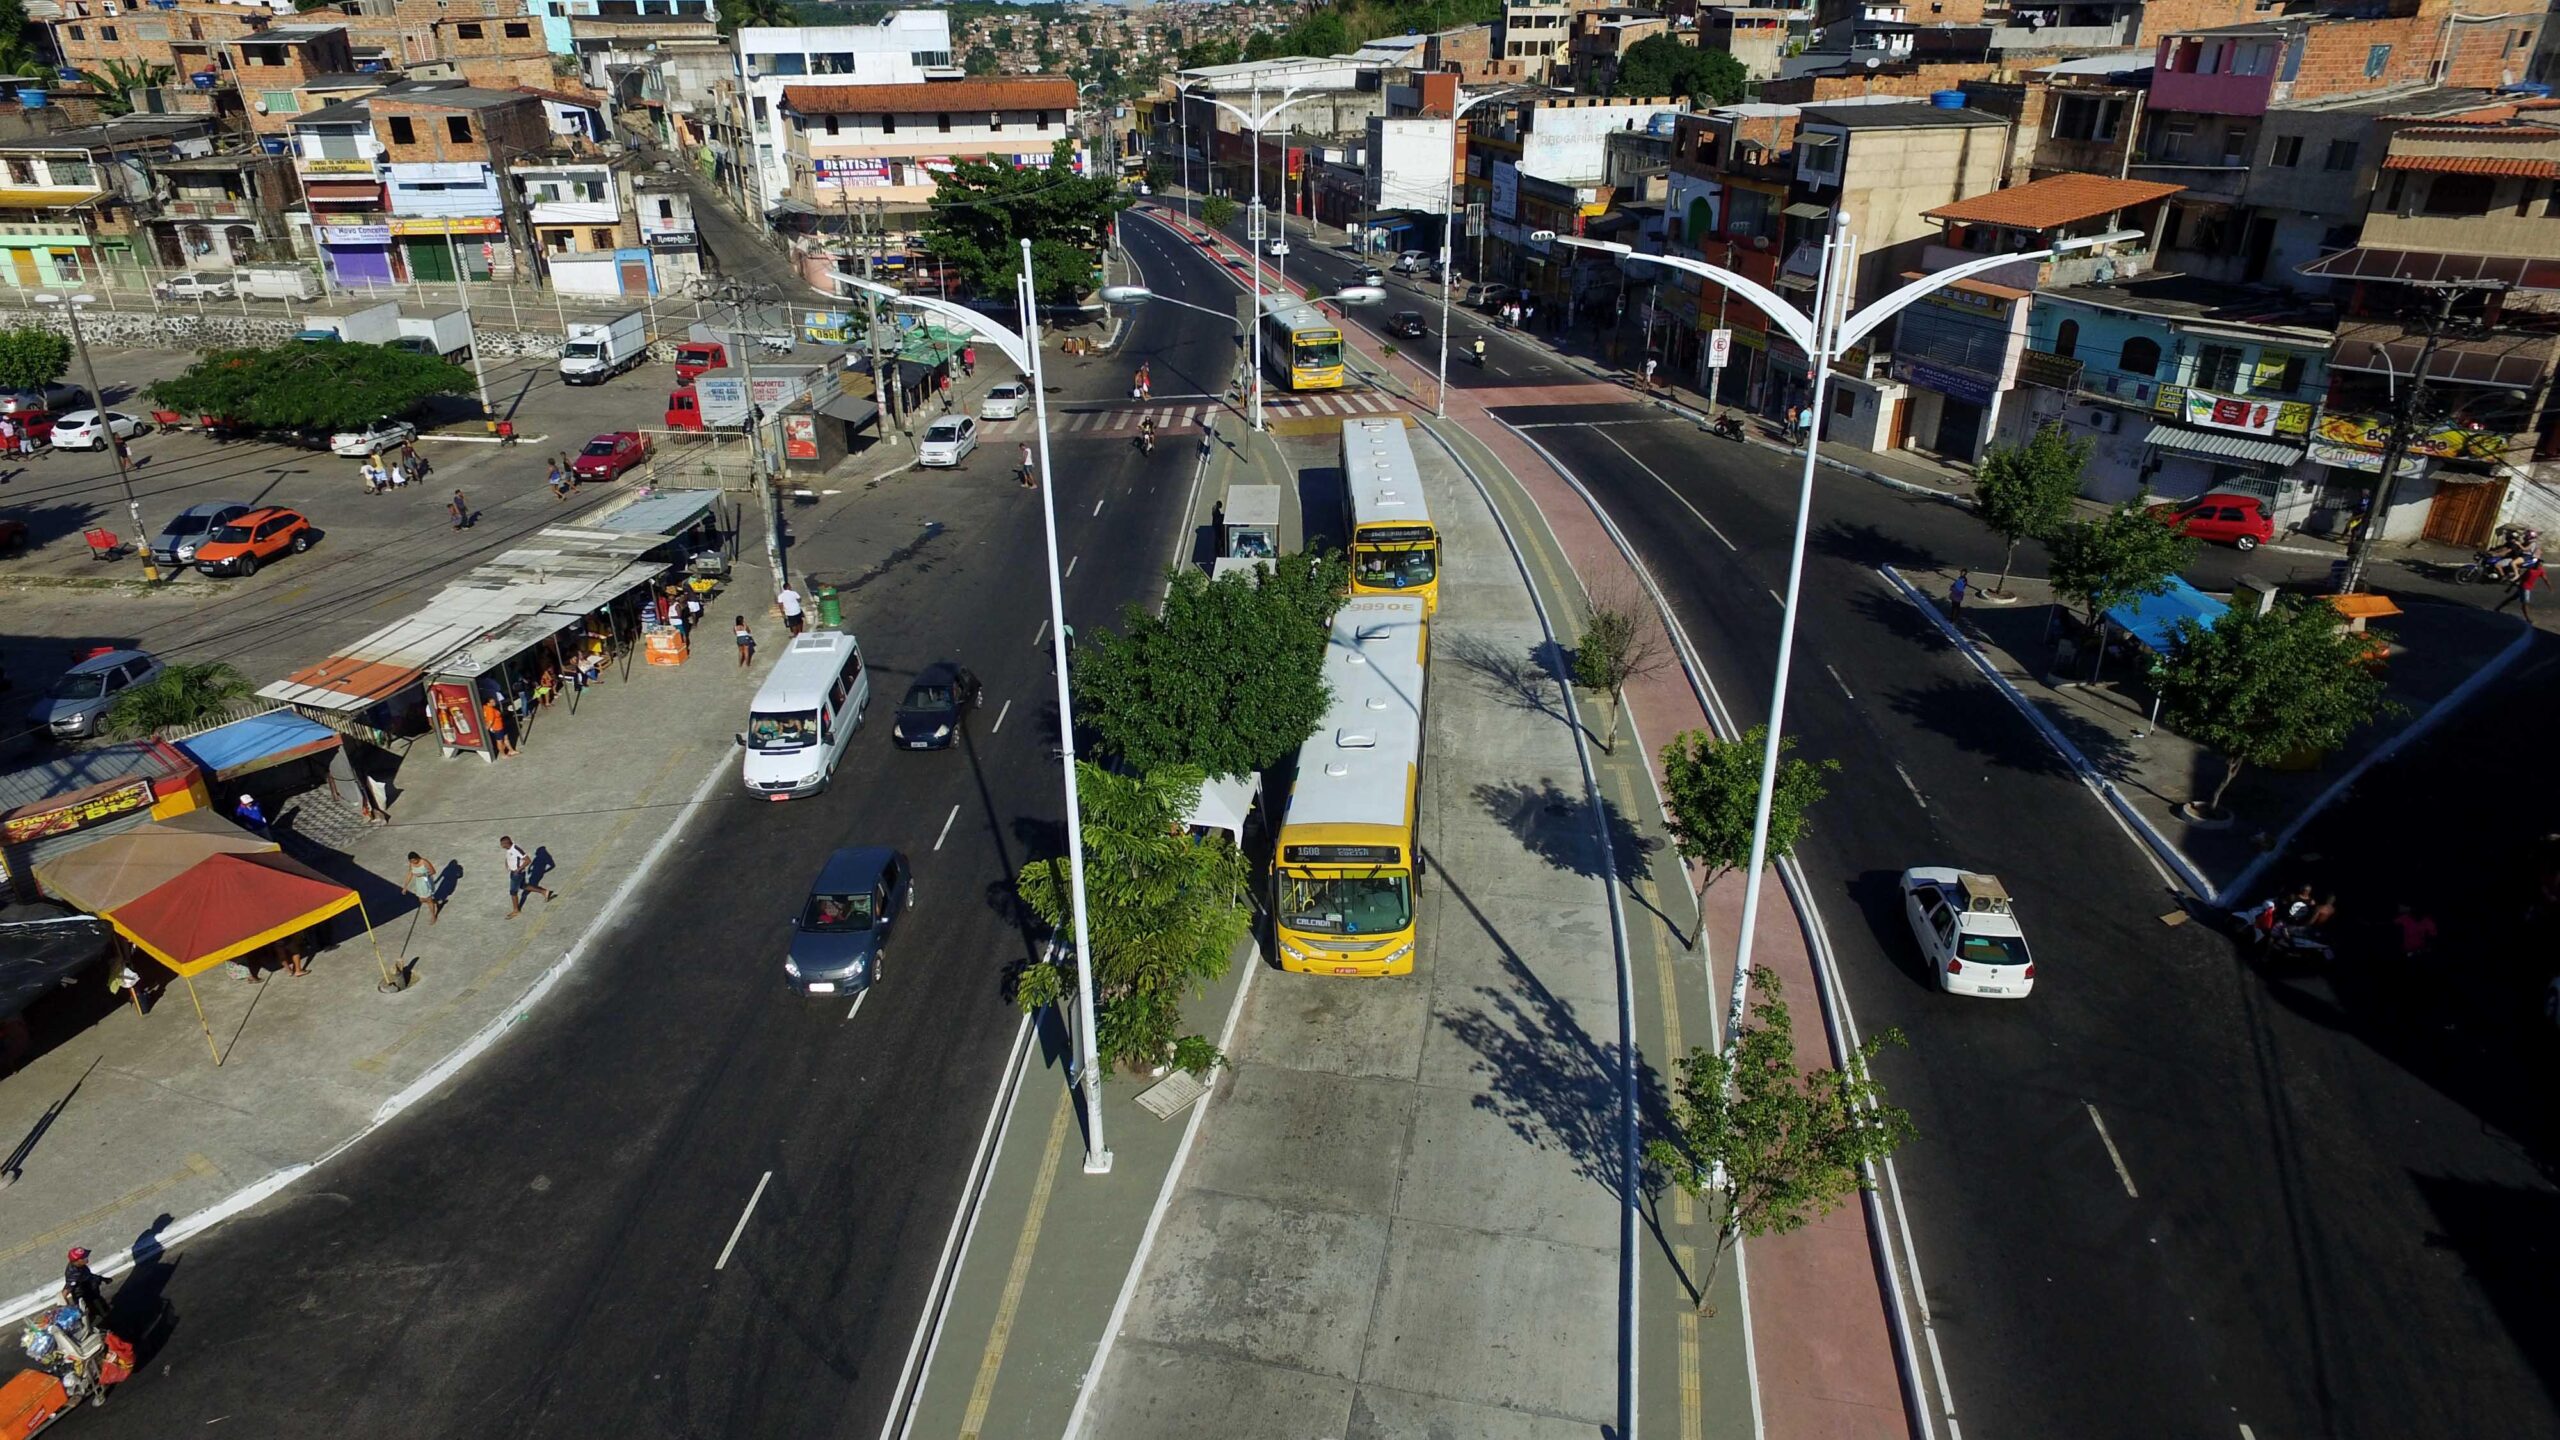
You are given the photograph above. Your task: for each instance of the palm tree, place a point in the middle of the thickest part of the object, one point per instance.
(118, 79)
(756, 14)
(179, 696)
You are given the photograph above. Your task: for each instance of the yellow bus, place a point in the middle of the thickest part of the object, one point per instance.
(1394, 549)
(1300, 347)
(1343, 870)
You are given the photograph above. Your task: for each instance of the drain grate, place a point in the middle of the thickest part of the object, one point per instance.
(1172, 1095)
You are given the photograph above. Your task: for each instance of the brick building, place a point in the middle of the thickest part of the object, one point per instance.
(444, 150)
(866, 145)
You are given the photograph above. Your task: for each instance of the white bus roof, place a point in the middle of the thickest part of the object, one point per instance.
(1296, 313)
(1379, 475)
(1353, 770)
(806, 671)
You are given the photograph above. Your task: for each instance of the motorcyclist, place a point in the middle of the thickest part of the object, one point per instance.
(1477, 349)
(2523, 547)
(1147, 437)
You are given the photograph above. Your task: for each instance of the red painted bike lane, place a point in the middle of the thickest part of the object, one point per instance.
(1822, 1331)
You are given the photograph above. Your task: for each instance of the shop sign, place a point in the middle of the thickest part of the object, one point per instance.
(355, 234)
(852, 170)
(457, 715)
(2373, 433)
(827, 327)
(449, 225)
(77, 814)
(1960, 384)
(1750, 339)
(1957, 298)
(800, 437)
(2233, 412)
(671, 240)
(2053, 372)
(1039, 161)
(2348, 457)
(327, 166)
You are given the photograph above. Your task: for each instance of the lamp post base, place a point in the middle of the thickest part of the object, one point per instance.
(1097, 1162)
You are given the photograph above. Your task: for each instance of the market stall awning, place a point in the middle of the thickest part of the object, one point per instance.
(2154, 619)
(124, 867)
(2217, 445)
(1225, 803)
(245, 747)
(228, 906)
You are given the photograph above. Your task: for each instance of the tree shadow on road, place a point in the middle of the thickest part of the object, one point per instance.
(1565, 831)
(1524, 681)
(1870, 545)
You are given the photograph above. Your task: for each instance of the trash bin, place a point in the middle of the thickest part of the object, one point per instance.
(830, 607)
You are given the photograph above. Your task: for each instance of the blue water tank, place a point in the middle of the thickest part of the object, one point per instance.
(1947, 99)
(2530, 89)
(33, 98)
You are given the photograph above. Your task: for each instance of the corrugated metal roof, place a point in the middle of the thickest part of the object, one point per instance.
(2219, 445)
(664, 513)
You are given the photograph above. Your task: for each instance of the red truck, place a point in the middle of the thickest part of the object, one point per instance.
(695, 356)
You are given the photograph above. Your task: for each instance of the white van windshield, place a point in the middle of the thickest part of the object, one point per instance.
(782, 730)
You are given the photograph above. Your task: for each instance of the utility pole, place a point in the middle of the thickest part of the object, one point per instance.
(884, 379)
(2404, 414)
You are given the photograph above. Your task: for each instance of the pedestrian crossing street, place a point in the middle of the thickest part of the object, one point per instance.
(1176, 418)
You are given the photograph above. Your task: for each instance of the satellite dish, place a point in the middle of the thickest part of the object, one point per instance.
(1873, 62)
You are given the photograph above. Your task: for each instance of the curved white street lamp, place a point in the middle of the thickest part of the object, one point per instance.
(1023, 349)
(1823, 336)
(1254, 120)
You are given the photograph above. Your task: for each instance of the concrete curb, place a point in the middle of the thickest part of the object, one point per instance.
(2188, 872)
(2459, 696)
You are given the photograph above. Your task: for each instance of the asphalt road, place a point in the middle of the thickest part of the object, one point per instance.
(2268, 1249)
(534, 1251)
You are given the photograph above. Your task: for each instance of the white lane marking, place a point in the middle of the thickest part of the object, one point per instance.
(1071, 565)
(946, 827)
(1910, 785)
(723, 1262)
(2247, 1434)
(1040, 634)
(1781, 599)
(1694, 512)
(2121, 1173)
(1001, 711)
(1097, 507)
(1843, 684)
(857, 1003)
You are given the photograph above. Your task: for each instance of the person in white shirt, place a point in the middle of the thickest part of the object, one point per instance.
(789, 603)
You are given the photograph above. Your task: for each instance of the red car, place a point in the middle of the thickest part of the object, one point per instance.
(607, 456)
(2240, 520)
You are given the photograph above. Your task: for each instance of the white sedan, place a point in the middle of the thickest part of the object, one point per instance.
(194, 287)
(1005, 402)
(1277, 247)
(947, 441)
(1969, 931)
(88, 430)
(383, 435)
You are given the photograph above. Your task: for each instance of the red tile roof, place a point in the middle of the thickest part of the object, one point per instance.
(2054, 201)
(1028, 92)
(2522, 166)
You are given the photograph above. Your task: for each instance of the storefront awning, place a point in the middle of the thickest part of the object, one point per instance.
(260, 742)
(2430, 267)
(2214, 444)
(2506, 361)
(1804, 211)
(2156, 619)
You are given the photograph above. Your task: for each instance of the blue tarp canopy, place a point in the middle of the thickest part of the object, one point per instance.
(245, 746)
(2154, 619)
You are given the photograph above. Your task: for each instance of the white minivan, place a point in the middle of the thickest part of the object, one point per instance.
(805, 713)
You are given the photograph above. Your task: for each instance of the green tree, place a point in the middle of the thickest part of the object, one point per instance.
(1165, 914)
(22, 43)
(736, 15)
(1616, 647)
(1004, 37)
(1768, 1146)
(319, 387)
(1212, 50)
(982, 61)
(2122, 555)
(1229, 677)
(1660, 65)
(2024, 492)
(982, 210)
(2256, 689)
(32, 358)
(118, 79)
(180, 695)
(1218, 212)
(1710, 788)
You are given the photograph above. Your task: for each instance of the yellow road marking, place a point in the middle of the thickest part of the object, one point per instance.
(1693, 1423)
(196, 1165)
(1001, 1333)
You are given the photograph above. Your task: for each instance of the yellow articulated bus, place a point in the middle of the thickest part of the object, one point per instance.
(1300, 347)
(1342, 878)
(1394, 549)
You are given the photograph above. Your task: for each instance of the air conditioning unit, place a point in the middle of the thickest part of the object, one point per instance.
(2106, 422)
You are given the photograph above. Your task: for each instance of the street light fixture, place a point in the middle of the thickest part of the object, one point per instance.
(71, 306)
(1023, 350)
(1448, 251)
(1254, 120)
(1824, 335)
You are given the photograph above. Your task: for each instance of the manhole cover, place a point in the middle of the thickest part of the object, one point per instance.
(1171, 1095)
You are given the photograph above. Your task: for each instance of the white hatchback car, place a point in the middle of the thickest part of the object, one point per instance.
(373, 440)
(194, 287)
(1969, 931)
(88, 430)
(948, 441)
(1276, 247)
(1005, 402)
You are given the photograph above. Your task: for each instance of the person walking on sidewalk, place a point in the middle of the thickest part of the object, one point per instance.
(1957, 590)
(422, 877)
(1030, 478)
(1648, 374)
(2527, 580)
(943, 384)
(520, 881)
(787, 600)
(968, 359)
(460, 510)
(746, 643)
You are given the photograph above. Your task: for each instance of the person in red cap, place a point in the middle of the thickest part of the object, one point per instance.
(82, 1287)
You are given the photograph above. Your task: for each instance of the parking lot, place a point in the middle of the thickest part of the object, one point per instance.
(376, 553)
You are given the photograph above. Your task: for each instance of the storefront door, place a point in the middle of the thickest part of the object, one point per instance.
(1959, 426)
(430, 259)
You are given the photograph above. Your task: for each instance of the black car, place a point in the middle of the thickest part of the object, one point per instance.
(840, 938)
(937, 704)
(1409, 323)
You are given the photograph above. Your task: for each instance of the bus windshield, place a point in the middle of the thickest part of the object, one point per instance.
(1378, 903)
(1319, 354)
(1402, 568)
(782, 730)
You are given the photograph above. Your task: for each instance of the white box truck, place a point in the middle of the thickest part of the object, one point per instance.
(444, 332)
(276, 282)
(597, 353)
(372, 325)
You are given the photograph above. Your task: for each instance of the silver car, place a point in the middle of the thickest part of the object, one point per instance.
(73, 708)
(947, 441)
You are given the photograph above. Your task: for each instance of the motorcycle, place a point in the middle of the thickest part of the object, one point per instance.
(2274, 937)
(2513, 543)
(1727, 427)
(1477, 355)
(775, 344)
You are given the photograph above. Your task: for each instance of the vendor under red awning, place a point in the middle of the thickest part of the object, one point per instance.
(228, 906)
